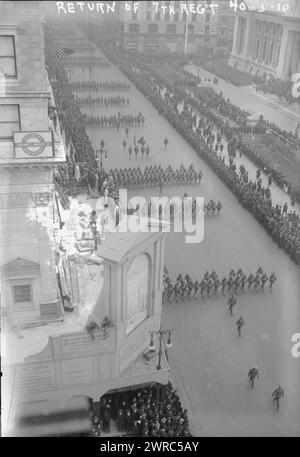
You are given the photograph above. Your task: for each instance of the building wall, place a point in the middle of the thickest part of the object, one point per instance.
(23, 20)
(26, 220)
(28, 89)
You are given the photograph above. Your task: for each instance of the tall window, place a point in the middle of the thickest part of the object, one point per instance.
(9, 121)
(148, 15)
(257, 47)
(8, 56)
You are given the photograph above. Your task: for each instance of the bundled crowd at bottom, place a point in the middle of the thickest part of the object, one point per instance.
(139, 412)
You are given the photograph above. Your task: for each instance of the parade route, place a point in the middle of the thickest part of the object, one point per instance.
(209, 363)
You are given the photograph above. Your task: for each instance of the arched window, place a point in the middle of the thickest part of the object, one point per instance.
(138, 291)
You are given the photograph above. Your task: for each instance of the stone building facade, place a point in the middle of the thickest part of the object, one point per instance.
(29, 148)
(155, 29)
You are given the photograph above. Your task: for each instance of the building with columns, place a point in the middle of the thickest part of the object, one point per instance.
(267, 43)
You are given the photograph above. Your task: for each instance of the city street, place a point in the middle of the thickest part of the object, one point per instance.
(209, 362)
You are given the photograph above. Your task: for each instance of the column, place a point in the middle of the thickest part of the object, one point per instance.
(246, 38)
(290, 48)
(295, 54)
(261, 44)
(282, 53)
(235, 36)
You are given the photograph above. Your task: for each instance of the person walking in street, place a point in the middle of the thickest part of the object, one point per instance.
(239, 324)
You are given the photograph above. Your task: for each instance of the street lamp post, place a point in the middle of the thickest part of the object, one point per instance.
(186, 34)
(102, 151)
(161, 334)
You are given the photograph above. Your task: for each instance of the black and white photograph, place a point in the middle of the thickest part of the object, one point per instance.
(149, 222)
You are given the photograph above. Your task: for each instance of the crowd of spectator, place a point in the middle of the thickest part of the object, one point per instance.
(84, 61)
(276, 86)
(154, 411)
(104, 86)
(92, 102)
(70, 117)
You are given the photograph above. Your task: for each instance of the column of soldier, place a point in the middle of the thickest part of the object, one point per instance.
(153, 175)
(147, 81)
(233, 284)
(139, 413)
(103, 86)
(212, 106)
(84, 61)
(283, 229)
(119, 120)
(91, 102)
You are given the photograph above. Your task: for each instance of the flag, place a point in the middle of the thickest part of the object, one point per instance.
(63, 52)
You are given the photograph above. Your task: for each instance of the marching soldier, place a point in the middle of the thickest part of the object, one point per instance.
(239, 324)
(253, 373)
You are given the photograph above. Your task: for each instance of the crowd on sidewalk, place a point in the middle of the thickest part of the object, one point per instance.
(276, 86)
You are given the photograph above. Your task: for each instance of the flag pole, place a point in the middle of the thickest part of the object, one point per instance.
(186, 35)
